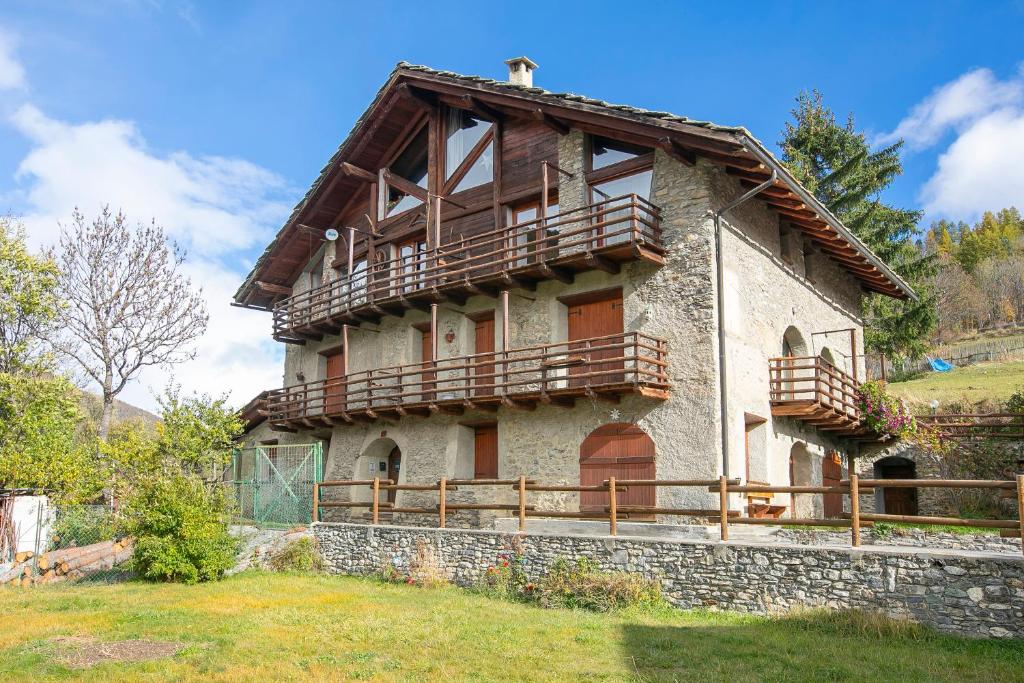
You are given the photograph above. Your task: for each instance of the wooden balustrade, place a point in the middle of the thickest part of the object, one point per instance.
(596, 236)
(631, 362)
(855, 519)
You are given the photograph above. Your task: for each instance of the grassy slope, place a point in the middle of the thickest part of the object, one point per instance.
(279, 627)
(990, 383)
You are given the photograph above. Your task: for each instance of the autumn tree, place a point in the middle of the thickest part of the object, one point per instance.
(129, 305)
(28, 299)
(837, 164)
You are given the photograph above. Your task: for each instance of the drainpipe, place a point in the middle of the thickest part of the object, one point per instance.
(720, 277)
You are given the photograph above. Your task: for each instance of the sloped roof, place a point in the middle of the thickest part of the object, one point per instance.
(722, 144)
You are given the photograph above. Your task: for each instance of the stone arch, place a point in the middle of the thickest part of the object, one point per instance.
(793, 343)
(793, 346)
(895, 501)
(376, 452)
(619, 450)
(801, 473)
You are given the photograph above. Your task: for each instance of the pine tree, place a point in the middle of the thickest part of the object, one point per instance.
(836, 163)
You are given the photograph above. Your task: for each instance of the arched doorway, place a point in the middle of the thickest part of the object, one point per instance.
(619, 450)
(801, 505)
(394, 469)
(382, 458)
(793, 346)
(895, 501)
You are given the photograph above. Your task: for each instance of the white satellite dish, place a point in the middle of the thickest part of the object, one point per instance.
(331, 234)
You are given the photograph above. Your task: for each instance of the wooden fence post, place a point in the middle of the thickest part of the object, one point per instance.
(613, 522)
(522, 502)
(723, 506)
(316, 502)
(855, 509)
(1020, 507)
(376, 499)
(441, 486)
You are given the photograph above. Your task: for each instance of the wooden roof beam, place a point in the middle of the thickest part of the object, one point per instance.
(555, 124)
(483, 109)
(271, 288)
(672, 149)
(357, 172)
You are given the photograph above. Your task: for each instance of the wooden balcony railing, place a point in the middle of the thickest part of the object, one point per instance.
(596, 236)
(552, 373)
(812, 390)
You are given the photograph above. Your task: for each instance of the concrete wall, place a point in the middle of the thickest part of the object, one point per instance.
(765, 295)
(972, 594)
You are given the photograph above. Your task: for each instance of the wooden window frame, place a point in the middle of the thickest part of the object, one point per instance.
(474, 154)
(387, 178)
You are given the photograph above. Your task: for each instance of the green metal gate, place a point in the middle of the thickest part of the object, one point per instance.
(274, 484)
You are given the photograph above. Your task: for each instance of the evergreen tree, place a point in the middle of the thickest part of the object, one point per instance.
(836, 163)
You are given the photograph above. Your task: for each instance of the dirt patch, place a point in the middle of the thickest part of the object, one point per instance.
(78, 652)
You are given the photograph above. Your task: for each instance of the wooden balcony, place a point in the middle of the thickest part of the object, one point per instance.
(599, 236)
(812, 390)
(558, 374)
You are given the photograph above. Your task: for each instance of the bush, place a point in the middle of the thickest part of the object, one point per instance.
(180, 531)
(883, 413)
(583, 586)
(82, 525)
(300, 555)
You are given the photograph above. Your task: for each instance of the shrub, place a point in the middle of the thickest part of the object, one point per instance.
(883, 413)
(582, 585)
(83, 525)
(424, 569)
(180, 531)
(301, 555)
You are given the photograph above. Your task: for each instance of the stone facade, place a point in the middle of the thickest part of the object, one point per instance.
(768, 292)
(964, 593)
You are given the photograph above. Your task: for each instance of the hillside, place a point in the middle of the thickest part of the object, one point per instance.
(91, 404)
(983, 387)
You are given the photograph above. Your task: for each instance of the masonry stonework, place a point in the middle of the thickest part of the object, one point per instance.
(971, 594)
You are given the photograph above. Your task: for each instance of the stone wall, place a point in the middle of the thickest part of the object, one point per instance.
(973, 594)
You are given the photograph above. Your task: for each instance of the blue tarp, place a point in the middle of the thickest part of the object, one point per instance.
(939, 365)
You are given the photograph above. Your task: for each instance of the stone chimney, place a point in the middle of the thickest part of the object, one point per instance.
(520, 71)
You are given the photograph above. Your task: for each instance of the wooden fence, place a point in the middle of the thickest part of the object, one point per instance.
(853, 488)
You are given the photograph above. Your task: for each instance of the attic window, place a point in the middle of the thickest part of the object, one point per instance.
(809, 264)
(412, 165)
(469, 150)
(605, 152)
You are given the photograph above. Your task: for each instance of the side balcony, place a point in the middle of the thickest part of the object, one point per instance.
(600, 236)
(812, 390)
(558, 374)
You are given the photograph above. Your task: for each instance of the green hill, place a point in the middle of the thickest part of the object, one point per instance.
(983, 387)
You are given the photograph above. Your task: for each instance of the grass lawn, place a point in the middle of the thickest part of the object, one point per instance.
(986, 382)
(265, 627)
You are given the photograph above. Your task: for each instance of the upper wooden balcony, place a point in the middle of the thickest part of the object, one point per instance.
(603, 367)
(810, 389)
(598, 236)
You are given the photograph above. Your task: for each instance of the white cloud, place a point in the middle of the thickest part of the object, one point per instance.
(980, 169)
(12, 74)
(215, 207)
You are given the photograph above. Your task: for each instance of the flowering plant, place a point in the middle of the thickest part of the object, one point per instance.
(883, 413)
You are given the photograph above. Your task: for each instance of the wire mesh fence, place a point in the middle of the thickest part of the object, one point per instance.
(274, 484)
(54, 543)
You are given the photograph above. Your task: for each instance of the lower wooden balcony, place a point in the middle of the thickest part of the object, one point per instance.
(558, 374)
(812, 390)
(600, 236)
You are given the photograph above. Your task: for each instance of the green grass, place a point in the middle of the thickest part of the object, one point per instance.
(265, 627)
(987, 384)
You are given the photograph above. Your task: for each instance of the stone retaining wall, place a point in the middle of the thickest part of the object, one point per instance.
(966, 593)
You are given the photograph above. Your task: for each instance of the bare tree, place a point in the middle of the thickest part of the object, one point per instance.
(128, 303)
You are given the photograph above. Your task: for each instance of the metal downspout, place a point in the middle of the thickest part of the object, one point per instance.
(720, 280)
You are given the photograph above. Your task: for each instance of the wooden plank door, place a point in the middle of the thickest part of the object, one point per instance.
(485, 452)
(831, 474)
(589, 319)
(428, 376)
(619, 450)
(394, 465)
(334, 389)
(483, 366)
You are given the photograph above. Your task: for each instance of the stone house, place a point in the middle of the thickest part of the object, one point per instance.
(490, 280)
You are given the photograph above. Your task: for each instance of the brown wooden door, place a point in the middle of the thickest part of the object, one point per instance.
(485, 452)
(831, 474)
(899, 501)
(334, 390)
(484, 365)
(428, 376)
(394, 465)
(598, 318)
(617, 450)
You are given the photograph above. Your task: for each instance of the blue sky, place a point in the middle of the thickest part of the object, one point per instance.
(215, 117)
